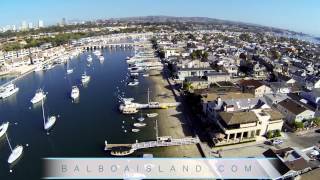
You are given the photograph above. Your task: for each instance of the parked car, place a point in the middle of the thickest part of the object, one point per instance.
(276, 141)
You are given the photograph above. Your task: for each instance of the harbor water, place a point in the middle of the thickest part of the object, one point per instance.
(81, 127)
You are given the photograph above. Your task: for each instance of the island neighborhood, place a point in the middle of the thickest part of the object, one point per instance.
(241, 89)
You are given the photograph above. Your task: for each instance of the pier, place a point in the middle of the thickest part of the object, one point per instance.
(128, 104)
(161, 141)
(164, 141)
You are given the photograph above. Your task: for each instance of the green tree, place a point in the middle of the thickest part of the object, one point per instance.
(277, 133)
(316, 121)
(245, 37)
(187, 86)
(298, 125)
(269, 134)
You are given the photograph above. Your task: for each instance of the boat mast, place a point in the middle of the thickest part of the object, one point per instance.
(157, 133)
(8, 142)
(44, 119)
(148, 97)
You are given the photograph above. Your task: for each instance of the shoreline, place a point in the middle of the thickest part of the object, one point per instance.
(171, 121)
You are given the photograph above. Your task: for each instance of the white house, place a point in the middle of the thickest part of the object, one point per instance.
(293, 111)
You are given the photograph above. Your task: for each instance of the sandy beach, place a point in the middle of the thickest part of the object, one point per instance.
(171, 121)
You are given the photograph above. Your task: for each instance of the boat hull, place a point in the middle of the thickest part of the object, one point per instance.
(16, 153)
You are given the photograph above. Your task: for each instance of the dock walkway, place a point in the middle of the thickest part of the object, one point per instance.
(152, 144)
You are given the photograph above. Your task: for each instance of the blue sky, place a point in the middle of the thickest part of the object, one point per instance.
(298, 15)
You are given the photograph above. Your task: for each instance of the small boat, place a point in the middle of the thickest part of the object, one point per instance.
(69, 71)
(121, 151)
(8, 90)
(97, 52)
(145, 75)
(50, 121)
(135, 130)
(85, 78)
(15, 154)
(39, 96)
(151, 115)
(3, 128)
(127, 58)
(47, 67)
(134, 74)
(75, 92)
(89, 58)
(133, 83)
(101, 58)
(139, 124)
(129, 111)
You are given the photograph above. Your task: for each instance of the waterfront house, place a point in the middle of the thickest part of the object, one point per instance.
(197, 82)
(294, 111)
(182, 73)
(246, 126)
(212, 108)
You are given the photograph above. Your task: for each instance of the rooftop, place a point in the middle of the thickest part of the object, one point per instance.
(233, 118)
(250, 83)
(292, 106)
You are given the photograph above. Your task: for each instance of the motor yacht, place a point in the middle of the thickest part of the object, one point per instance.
(39, 96)
(8, 90)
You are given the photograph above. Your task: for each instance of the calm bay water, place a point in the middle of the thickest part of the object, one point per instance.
(82, 127)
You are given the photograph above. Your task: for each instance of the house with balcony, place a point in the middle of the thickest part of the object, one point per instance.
(246, 126)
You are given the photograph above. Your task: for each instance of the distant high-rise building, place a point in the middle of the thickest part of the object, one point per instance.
(24, 26)
(40, 24)
(63, 22)
(30, 25)
(13, 28)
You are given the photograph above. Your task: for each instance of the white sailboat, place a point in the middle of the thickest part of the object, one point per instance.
(151, 115)
(3, 129)
(75, 92)
(89, 58)
(85, 78)
(101, 58)
(97, 52)
(135, 130)
(15, 153)
(69, 70)
(134, 83)
(139, 124)
(50, 121)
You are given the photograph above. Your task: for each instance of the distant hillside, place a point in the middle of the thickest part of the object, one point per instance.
(159, 19)
(173, 19)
